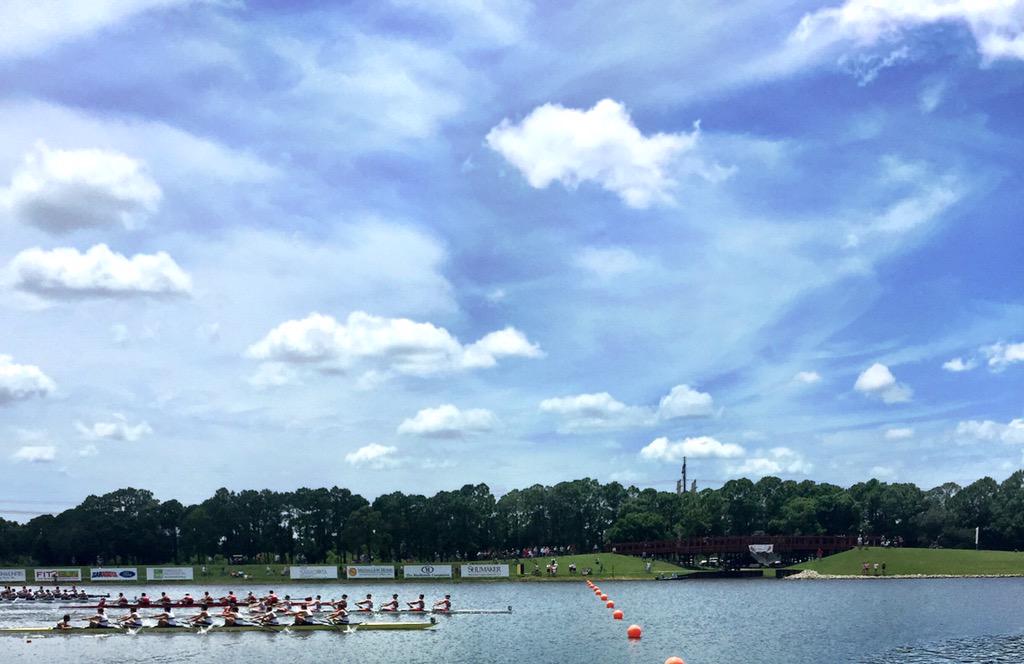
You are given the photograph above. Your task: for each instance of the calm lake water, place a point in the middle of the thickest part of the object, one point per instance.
(705, 622)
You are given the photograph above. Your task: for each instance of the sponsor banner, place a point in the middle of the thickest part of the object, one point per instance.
(478, 571)
(170, 573)
(114, 574)
(12, 575)
(370, 571)
(313, 572)
(428, 571)
(58, 576)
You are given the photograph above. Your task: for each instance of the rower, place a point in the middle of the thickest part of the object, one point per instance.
(316, 606)
(340, 614)
(165, 599)
(268, 618)
(144, 600)
(419, 604)
(391, 605)
(443, 605)
(201, 619)
(366, 605)
(99, 621)
(251, 598)
(207, 599)
(122, 601)
(64, 623)
(230, 598)
(166, 617)
(233, 619)
(303, 616)
(187, 600)
(271, 599)
(131, 620)
(102, 604)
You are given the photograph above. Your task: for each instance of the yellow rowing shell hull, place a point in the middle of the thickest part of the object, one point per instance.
(363, 626)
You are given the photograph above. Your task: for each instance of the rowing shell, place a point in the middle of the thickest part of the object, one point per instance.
(361, 626)
(439, 612)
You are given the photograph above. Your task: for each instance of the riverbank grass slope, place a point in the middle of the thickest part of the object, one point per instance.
(908, 561)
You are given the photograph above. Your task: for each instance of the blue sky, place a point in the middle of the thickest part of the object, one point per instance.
(408, 245)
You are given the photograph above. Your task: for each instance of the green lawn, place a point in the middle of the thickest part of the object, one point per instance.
(921, 561)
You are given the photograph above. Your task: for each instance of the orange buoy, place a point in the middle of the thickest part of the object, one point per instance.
(604, 598)
(634, 631)
(610, 604)
(674, 660)
(618, 614)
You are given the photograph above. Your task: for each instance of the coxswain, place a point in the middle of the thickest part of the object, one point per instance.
(99, 621)
(366, 605)
(130, 620)
(443, 605)
(122, 601)
(419, 604)
(144, 600)
(64, 623)
(187, 600)
(391, 605)
(166, 617)
(201, 619)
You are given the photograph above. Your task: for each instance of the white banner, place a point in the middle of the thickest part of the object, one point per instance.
(313, 572)
(370, 571)
(114, 574)
(12, 575)
(170, 573)
(428, 571)
(761, 548)
(478, 571)
(58, 576)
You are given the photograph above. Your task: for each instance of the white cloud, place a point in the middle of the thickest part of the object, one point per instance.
(879, 382)
(119, 429)
(22, 381)
(684, 401)
(1001, 355)
(988, 430)
(865, 67)
(33, 26)
(997, 25)
(807, 377)
(778, 460)
(595, 411)
(99, 272)
(374, 456)
(882, 472)
(63, 190)
(399, 345)
(88, 451)
(492, 23)
(931, 96)
(35, 453)
(273, 374)
(957, 364)
(601, 145)
(901, 433)
(701, 447)
(608, 263)
(447, 421)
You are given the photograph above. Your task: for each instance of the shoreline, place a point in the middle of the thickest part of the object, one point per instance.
(811, 575)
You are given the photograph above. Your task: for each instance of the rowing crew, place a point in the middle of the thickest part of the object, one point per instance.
(231, 615)
(44, 594)
(392, 605)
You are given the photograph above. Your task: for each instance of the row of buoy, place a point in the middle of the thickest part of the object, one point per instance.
(633, 631)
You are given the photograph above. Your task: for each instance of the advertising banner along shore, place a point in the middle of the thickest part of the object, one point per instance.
(427, 571)
(313, 572)
(114, 574)
(370, 571)
(12, 575)
(478, 571)
(58, 576)
(170, 573)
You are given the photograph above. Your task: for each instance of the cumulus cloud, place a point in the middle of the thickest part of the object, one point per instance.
(447, 421)
(957, 364)
(66, 273)
(374, 455)
(273, 374)
(397, 345)
(997, 26)
(595, 411)
(35, 453)
(777, 460)
(1001, 355)
(900, 433)
(878, 381)
(609, 262)
(807, 377)
(684, 401)
(989, 430)
(64, 190)
(22, 381)
(118, 429)
(600, 145)
(88, 451)
(701, 447)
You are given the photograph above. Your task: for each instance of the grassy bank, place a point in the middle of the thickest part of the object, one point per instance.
(602, 565)
(920, 561)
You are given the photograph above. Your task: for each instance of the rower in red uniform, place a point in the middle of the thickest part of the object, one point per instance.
(102, 603)
(366, 605)
(207, 599)
(230, 598)
(391, 605)
(418, 604)
(144, 600)
(122, 601)
(187, 600)
(271, 599)
(165, 599)
(443, 605)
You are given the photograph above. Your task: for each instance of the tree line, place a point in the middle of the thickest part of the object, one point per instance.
(336, 525)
